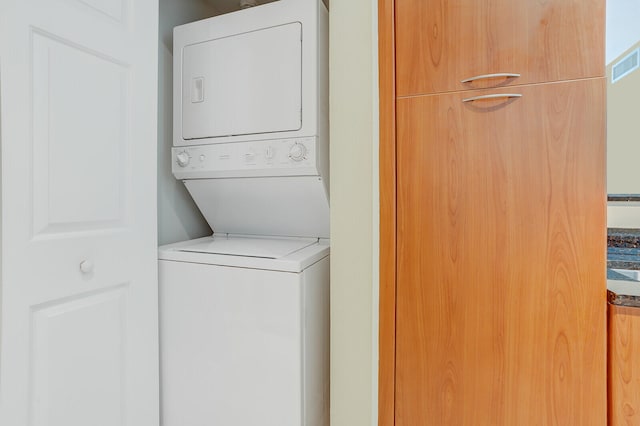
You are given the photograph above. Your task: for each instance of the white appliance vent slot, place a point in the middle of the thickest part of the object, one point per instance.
(625, 66)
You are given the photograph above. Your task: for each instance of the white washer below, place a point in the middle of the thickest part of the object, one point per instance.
(244, 332)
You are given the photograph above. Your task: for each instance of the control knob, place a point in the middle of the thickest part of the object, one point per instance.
(183, 159)
(298, 152)
(270, 153)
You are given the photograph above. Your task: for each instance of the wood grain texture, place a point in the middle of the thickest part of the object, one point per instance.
(501, 290)
(440, 42)
(624, 366)
(387, 312)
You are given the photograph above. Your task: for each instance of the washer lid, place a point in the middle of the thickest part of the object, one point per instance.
(249, 247)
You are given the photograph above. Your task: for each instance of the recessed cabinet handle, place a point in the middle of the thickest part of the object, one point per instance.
(486, 76)
(494, 96)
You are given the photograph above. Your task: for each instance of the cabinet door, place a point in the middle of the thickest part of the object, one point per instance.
(501, 289)
(440, 43)
(624, 366)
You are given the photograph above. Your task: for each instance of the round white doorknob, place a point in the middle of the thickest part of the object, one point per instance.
(182, 158)
(297, 152)
(86, 266)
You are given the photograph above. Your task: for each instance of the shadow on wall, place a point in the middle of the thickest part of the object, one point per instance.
(178, 217)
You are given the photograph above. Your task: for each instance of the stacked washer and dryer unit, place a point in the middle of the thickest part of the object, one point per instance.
(244, 314)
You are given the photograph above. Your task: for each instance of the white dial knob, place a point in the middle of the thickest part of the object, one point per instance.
(297, 152)
(182, 159)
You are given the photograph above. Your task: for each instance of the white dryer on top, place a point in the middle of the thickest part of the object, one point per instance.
(251, 118)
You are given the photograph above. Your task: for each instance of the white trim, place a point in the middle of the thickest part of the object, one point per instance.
(375, 219)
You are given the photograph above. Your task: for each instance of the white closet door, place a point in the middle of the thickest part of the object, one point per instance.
(78, 330)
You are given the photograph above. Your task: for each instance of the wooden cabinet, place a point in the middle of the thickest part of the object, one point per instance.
(500, 290)
(624, 366)
(441, 42)
(493, 213)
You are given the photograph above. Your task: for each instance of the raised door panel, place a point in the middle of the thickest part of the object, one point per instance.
(78, 361)
(440, 43)
(80, 128)
(624, 366)
(500, 287)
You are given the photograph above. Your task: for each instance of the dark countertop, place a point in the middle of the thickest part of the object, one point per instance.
(623, 238)
(623, 252)
(624, 293)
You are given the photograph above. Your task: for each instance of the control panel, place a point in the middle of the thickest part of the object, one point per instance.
(280, 157)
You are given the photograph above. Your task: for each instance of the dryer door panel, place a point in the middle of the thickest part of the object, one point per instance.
(244, 84)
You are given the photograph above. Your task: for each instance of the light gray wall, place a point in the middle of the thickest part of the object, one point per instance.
(178, 217)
